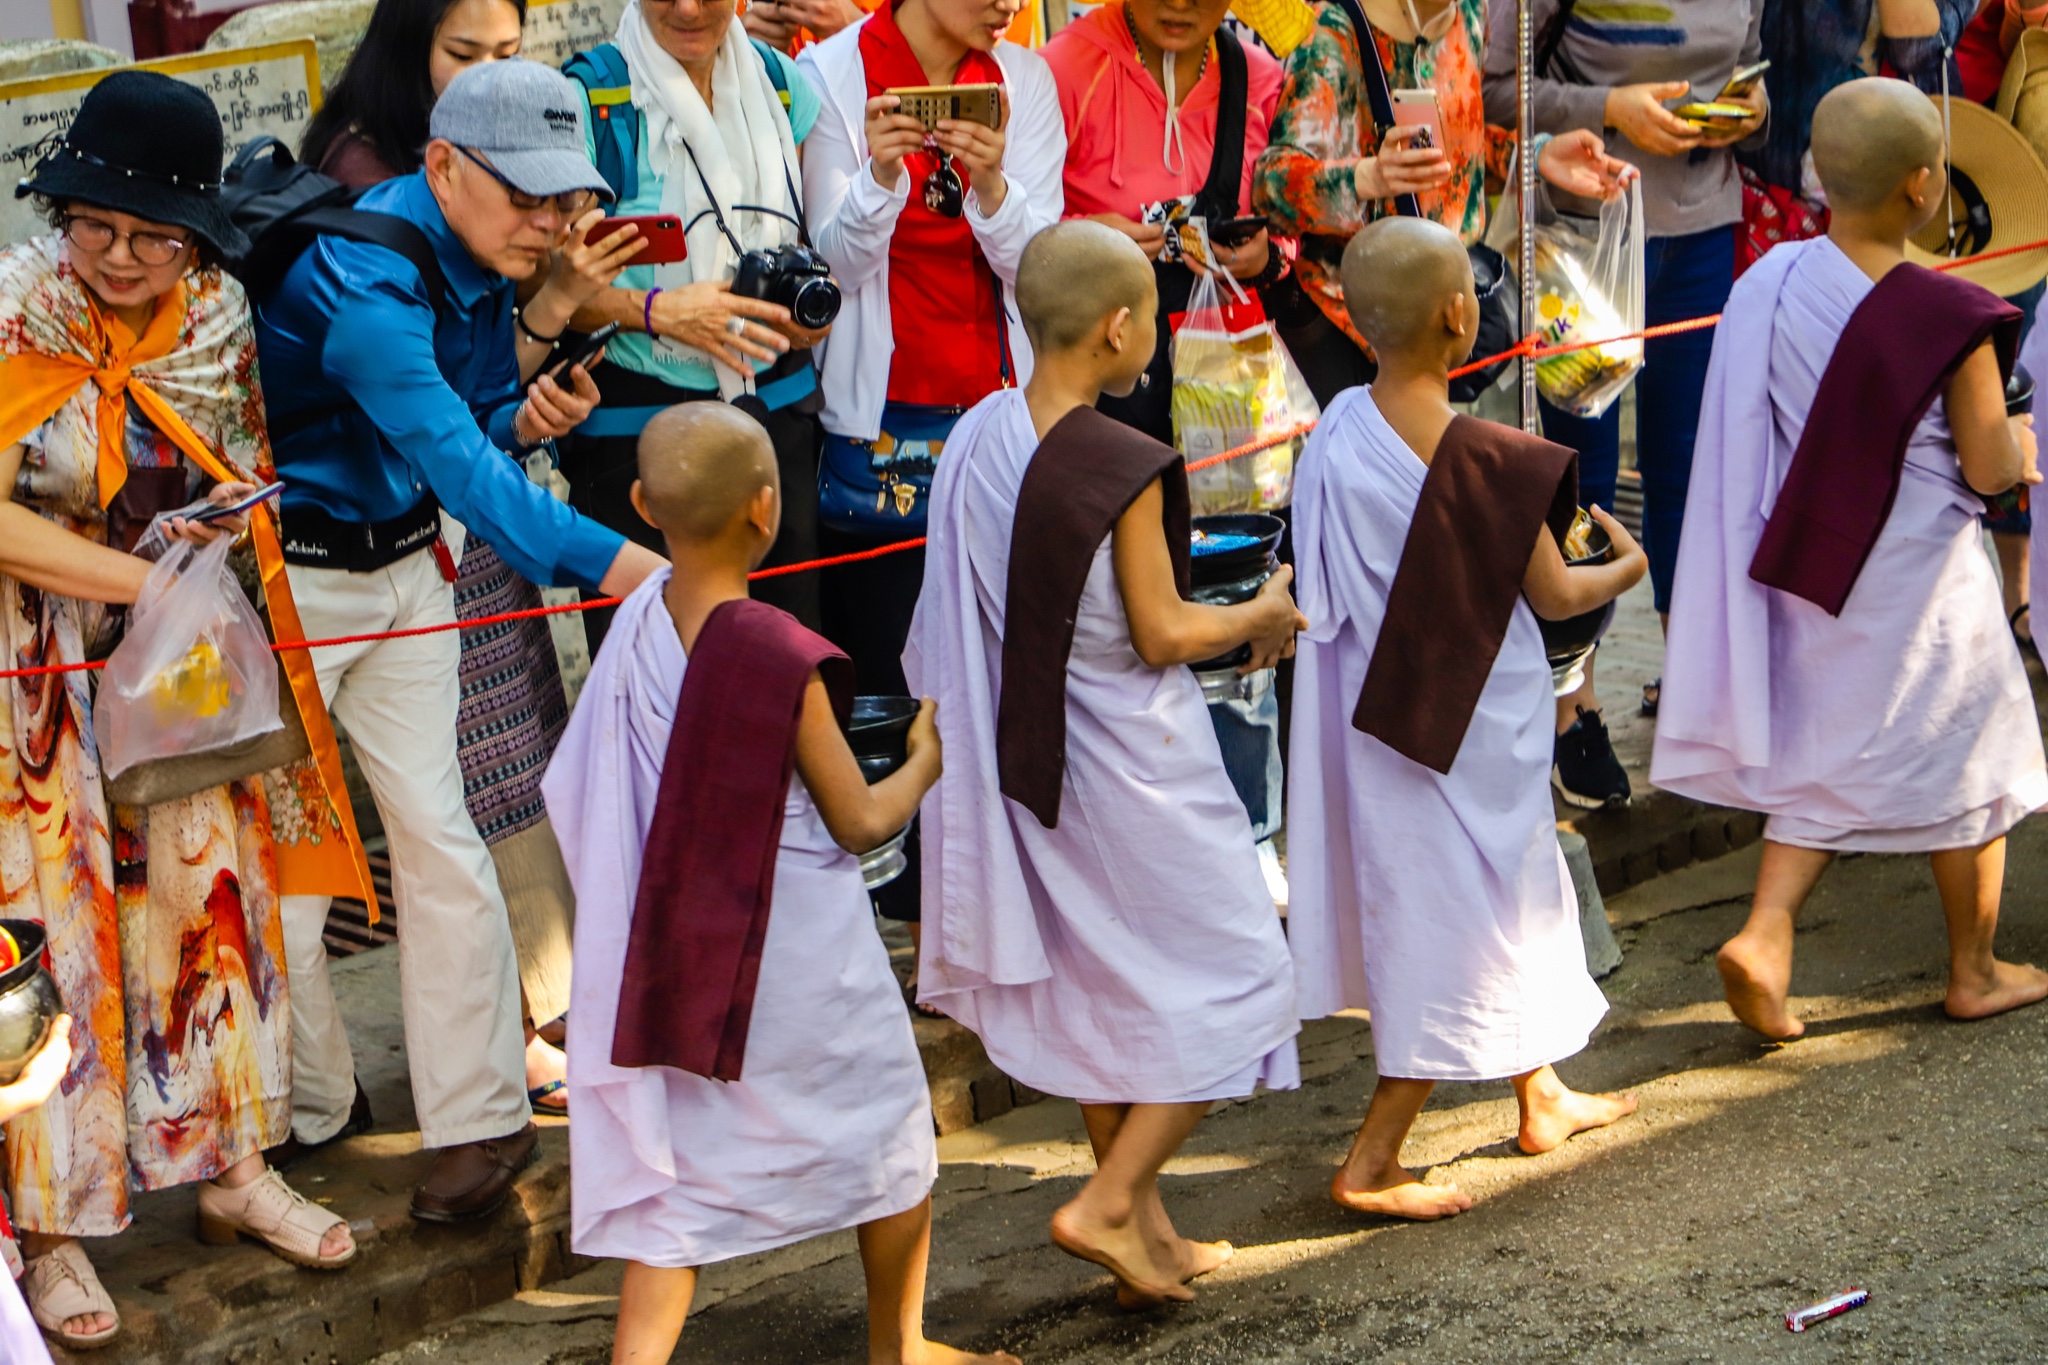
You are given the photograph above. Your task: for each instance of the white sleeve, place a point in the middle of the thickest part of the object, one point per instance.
(1034, 163)
(852, 218)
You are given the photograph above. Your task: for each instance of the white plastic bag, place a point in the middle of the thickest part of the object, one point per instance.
(1589, 287)
(1235, 383)
(194, 670)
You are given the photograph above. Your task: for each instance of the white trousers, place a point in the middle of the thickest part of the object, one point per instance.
(458, 978)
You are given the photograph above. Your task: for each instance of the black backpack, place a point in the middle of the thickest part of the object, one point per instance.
(283, 206)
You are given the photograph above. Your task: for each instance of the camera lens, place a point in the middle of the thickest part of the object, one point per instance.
(816, 303)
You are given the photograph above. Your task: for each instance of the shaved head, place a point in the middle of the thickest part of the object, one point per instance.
(700, 465)
(1869, 136)
(1075, 274)
(1398, 274)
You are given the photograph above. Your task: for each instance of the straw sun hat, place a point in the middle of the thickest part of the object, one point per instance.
(1998, 198)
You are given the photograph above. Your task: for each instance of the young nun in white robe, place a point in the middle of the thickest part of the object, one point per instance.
(1428, 886)
(1100, 920)
(1838, 657)
(827, 1124)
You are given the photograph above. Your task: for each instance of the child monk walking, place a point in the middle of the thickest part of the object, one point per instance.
(1428, 883)
(1094, 907)
(1838, 657)
(743, 1071)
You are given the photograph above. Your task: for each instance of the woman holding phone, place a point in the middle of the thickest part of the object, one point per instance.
(923, 228)
(693, 122)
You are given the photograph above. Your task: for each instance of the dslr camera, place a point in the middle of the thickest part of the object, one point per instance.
(795, 277)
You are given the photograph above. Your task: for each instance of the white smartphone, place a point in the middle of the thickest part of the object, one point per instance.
(1418, 108)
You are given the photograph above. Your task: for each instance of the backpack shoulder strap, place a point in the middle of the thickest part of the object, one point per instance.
(1378, 96)
(778, 76)
(391, 233)
(608, 86)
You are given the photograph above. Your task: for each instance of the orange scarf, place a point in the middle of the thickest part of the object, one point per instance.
(35, 385)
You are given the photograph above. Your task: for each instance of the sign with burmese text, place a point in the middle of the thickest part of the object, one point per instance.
(272, 89)
(557, 30)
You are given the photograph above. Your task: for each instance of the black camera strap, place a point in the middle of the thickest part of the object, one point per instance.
(803, 231)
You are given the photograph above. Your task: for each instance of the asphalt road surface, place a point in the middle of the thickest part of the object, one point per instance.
(1888, 1149)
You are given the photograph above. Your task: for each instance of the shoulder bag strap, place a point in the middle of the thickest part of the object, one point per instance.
(1378, 95)
(1218, 196)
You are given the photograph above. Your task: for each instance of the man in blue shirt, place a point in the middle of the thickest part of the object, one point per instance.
(383, 411)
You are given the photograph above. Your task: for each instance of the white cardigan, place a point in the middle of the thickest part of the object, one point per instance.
(853, 219)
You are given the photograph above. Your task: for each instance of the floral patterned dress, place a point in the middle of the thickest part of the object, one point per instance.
(163, 920)
(1305, 180)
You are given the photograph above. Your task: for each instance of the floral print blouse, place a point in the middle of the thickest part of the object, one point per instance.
(1304, 183)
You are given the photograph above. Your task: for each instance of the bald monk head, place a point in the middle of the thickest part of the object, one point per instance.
(1870, 138)
(1408, 286)
(704, 468)
(1073, 281)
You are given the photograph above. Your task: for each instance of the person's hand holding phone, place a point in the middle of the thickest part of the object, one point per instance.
(1638, 112)
(892, 136)
(208, 531)
(977, 150)
(1246, 260)
(554, 408)
(583, 268)
(1401, 167)
(1728, 134)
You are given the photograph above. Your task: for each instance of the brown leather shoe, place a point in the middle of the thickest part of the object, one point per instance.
(292, 1151)
(471, 1179)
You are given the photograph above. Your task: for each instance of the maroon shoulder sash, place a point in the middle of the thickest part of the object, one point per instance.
(700, 915)
(1489, 490)
(1897, 352)
(1086, 473)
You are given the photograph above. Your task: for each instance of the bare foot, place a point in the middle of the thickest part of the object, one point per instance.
(1404, 1196)
(1756, 982)
(2012, 986)
(933, 1353)
(1548, 1124)
(1192, 1260)
(1119, 1250)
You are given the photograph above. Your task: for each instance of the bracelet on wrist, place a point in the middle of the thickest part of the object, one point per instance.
(519, 321)
(647, 310)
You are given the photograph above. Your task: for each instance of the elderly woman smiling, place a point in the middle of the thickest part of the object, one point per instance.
(126, 389)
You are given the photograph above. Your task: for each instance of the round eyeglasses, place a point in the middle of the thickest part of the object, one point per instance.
(95, 235)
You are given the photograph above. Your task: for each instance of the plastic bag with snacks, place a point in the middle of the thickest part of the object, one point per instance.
(1589, 287)
(193, 671)
(1233, 384)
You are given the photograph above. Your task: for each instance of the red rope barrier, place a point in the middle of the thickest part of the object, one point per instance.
(1526, 346)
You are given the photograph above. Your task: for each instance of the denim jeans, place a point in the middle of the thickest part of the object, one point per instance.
(1683, 277)
(1248, 732)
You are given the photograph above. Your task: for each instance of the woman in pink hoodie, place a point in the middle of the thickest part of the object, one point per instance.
(1142, 89)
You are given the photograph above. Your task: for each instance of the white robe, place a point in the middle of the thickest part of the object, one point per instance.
(1131, 955)
(1905, 724)
(830, 1125)
(1439, 901)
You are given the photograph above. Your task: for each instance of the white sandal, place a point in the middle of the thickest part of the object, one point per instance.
(62, 1284)
(273, 1213)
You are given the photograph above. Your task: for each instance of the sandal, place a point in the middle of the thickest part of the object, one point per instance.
(62, 1284)
(543, 1098)
(2028, 647)
(274, 1214)
(1653, 692)
(923, 1011)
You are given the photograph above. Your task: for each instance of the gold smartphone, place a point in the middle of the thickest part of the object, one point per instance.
(928, 104)
(1715, 116)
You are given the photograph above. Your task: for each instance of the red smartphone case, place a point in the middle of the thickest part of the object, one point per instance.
(663, 232)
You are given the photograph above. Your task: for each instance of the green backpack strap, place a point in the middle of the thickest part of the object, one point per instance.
(601, 72)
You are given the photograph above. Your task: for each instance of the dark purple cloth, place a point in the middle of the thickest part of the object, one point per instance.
(1490, 490)
(1901, 346)
(700, 915)
(1085, 474)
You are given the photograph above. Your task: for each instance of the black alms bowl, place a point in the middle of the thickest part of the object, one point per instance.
(1232, 566)
(1564, 640)
(878, 732)
(29, 1002)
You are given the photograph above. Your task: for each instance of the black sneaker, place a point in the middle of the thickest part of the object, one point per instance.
(1583, 766)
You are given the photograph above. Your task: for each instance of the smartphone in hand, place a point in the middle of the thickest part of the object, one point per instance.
(1418, 108)
(663, 232)
(581, 353)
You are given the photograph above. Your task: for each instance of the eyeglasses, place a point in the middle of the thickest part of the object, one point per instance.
(570, 204)
(96, 235)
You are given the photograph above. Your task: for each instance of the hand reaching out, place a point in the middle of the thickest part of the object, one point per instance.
(1577, 163)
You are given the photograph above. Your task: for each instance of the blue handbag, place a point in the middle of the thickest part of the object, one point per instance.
(880, 487)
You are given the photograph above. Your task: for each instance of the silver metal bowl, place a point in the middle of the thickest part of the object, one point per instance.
(885, 863)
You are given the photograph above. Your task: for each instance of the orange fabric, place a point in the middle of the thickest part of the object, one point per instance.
(38, 385)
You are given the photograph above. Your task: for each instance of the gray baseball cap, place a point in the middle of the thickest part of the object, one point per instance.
(527, 119)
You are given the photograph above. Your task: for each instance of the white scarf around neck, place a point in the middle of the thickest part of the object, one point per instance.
(743, 143)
